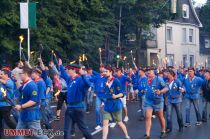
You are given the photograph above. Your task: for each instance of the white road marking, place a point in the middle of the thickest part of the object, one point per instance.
(96, 131)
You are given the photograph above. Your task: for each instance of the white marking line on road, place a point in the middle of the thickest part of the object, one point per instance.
(96, 131)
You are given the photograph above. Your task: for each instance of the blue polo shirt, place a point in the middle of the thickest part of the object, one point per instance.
(142, 86)
(193, 87)
(123, 79)
(174, 95)
(156, 84)
(29, 91)
(110, 104)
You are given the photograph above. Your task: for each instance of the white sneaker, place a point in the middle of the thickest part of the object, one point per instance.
(112, 125)
(98, 127)
(139, 110)
(126, 119)
(153, 116)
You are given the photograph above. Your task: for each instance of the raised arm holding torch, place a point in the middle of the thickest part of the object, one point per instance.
(133, 59)
(100, 56)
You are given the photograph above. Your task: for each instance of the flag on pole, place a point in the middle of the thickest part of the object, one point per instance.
(27, 15)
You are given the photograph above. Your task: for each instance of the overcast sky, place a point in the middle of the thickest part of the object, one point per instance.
(200, 1)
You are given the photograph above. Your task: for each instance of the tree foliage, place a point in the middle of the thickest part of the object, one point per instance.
(73, 27)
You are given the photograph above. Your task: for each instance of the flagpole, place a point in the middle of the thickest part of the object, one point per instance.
(28, 40)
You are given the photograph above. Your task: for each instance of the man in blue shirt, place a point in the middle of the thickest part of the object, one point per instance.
(192, 87)
(75, 99)
(5, 108)
(113, 104)
(154, 101)
(123, 80)
(206, 95)
(174, 100)
(142, 89)
(99, 81)
(29, 105)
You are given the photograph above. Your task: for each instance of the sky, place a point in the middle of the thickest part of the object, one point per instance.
(200, 2)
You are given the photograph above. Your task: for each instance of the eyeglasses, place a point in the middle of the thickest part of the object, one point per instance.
(22, 73)
(105, 71)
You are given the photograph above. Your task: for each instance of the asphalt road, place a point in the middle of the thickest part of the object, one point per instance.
(136, 129)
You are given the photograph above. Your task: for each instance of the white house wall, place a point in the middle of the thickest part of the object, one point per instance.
(176, 46)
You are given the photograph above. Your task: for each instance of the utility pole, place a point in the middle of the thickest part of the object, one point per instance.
(119, 34)
(28, 40)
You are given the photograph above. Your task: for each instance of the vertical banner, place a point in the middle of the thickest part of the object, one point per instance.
(28, 15)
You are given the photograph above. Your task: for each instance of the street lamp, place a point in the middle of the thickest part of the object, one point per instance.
(21, 38)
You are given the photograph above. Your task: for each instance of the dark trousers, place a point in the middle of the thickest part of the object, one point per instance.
(61, 99)
(177, 107)
(204, 113)
(5, 117)
(75, 115)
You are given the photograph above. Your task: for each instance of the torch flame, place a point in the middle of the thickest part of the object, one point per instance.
(21, 38)
(4, 92)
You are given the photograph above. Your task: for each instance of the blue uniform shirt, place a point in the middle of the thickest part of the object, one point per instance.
(76, 89)
(193, 87)
(110, 104)
(3, 103)
(174, 95)
(100, 83)
(156, 84)
(142, 86)
(41, 90)
(135, 78)
(29, 91)
(48, 82)
(123, 79)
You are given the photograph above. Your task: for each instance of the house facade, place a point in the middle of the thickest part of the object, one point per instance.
(177, 43)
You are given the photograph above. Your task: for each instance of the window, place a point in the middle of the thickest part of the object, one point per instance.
(207, 44)
(191, 60)
(184, 35)
(209, 62)
(169, 33)
(184, 61)
(170, 60)
(185, 11)
(191, 36)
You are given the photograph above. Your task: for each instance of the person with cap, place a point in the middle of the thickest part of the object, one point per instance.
(29, 105)
(123, 80)
(113, 104)
(75, 99)
(142, 89)
(192, 86)
(206, 95)
(154, 101)
(174, 100)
